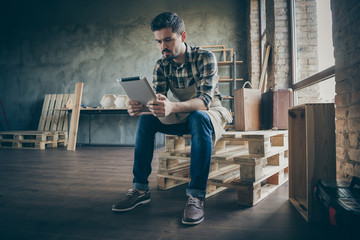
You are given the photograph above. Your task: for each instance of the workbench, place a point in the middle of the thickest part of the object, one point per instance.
(91, 112)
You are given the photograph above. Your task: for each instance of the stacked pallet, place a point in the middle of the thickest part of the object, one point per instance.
(255, 163)
(52, 130)
(33, 139)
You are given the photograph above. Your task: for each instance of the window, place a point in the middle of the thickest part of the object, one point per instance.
(312, 51)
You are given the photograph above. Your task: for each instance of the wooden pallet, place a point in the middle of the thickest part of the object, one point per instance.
(180, 175)
(250, 194)
(51, 118)
(253, 144)
(261, 157)
(52, 129)
(32, 139)
(232, 145)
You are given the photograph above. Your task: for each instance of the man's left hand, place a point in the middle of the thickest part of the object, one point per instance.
(160, 107)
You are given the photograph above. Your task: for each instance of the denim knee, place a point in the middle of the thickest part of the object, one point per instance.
(200, 123)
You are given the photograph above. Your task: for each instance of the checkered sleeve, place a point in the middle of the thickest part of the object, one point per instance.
(160, 83)
(208, 80)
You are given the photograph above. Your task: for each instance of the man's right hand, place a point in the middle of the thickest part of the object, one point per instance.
(134, 108)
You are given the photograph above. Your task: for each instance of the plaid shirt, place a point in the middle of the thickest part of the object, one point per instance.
(167, 72)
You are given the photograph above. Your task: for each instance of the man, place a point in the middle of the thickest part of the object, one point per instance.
(190, 74)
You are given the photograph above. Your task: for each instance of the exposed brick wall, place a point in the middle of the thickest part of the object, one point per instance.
(277, 28)
(307, 49)
(253, 32)
(346, 39)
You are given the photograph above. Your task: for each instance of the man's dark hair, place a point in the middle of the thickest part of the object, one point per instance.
(168, 19)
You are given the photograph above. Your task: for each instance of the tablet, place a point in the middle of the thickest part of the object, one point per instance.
(138, 89)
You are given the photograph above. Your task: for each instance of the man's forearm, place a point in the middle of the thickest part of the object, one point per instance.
(189, 106)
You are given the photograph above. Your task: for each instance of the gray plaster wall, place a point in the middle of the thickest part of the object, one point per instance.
(48, 46)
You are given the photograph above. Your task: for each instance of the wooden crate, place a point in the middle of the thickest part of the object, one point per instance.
(312, 154)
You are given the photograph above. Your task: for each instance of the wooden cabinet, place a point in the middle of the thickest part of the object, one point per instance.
(312, 154)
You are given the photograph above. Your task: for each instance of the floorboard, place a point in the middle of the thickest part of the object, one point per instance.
(59, 194)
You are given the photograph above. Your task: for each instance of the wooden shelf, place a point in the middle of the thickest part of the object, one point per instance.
(222, 63)
(227, 97)
(230, 79)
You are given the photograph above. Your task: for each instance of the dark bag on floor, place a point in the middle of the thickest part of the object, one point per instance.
(340, 201)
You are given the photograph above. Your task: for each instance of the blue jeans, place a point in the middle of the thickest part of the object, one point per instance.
(198, 125)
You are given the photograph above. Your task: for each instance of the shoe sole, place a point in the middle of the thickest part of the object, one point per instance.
(130, 208)
(192, 223)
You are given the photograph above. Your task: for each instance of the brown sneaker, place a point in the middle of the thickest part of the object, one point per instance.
(194, 211)
(132, 199)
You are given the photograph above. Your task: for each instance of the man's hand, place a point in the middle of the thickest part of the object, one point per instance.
(134, 108)
(160, 107)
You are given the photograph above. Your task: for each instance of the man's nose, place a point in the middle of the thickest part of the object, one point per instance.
(163, 46)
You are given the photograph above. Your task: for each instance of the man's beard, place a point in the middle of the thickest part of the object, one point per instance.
(172, 57)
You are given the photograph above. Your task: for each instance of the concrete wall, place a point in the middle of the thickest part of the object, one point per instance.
(346, 39)
(48, 46)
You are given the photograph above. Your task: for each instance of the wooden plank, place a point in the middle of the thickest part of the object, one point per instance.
(316, 78)
(167, 183)
(66, 114)
(63, 114)
(263, 70)
(56, 114)
(165, 163)
(213, 192)
(320, 149)
(230, 156)
(50, 112)
(228, 63)
(297, 156)
(75, 115)
(227, 177)
(44, 112)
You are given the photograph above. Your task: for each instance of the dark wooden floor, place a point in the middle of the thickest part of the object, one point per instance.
(56, 194)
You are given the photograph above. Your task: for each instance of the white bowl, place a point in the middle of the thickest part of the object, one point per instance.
(121, 101)
(108, 101)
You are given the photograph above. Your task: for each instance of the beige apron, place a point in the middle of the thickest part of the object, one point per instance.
(219, 115)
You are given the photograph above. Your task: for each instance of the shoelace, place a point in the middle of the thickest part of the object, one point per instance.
(130, 192)
(192, 200)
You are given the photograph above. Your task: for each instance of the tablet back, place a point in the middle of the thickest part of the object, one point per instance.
(138, 89)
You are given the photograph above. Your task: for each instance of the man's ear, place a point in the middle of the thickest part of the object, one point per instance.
(183, 36)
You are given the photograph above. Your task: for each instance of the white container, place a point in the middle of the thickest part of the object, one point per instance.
(121, 101)
(108, 101)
